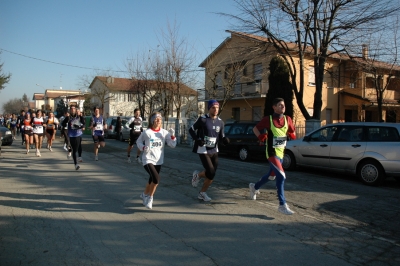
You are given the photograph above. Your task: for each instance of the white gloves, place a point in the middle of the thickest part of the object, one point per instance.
(171, 131)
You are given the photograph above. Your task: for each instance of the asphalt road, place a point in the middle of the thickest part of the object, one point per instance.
(51, 214)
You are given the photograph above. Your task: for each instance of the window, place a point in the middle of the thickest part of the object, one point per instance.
(257, 115)
(328, 116)
(383, 134)
(236, 113)
(258, 72)
(218, 79)
(311, 76)
(237, 129)
(325, 134)
(238, 76)
(351, 134)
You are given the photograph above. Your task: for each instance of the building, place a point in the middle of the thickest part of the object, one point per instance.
(48, 101)
(120, 96)
(236, 74)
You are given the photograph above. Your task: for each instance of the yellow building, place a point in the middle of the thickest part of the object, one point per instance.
(236, 74)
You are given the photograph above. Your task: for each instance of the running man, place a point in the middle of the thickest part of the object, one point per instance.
(75, 125)
(152, 142)
(279, 127)
(207, 132)
(97, 125)
(135, 123)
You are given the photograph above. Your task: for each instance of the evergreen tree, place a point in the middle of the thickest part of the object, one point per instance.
(62, 107)
(279, 86)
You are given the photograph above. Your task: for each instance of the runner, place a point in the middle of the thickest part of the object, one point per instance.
(51, 129)
(97, 125)
(13, 126)
(279, 127)
(152, 142)
(207, 132)
(135, 123)
(38, 124)
(75, 125)
(64, 132)
(20, 125)
(28, 131)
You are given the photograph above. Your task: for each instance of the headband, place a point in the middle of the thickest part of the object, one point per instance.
(153, 117)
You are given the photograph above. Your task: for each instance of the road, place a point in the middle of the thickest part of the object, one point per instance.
(54, 215)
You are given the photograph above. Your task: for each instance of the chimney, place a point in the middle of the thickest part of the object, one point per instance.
(364, 51)
(110, 79)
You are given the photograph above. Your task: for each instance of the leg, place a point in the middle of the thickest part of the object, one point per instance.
(74, 146)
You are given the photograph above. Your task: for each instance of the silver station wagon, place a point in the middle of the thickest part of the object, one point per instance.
(366, 149)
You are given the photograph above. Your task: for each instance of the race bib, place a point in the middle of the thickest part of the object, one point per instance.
(28, 128)
(99, 127)
(156, 143)
(136, 128)
(279, 142)
(50, 126)
(210, 141)
(38, 130)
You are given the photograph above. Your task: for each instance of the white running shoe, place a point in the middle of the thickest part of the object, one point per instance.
(129, 160)
(50, 149)
(195, 178)
(96, 158)
(38, 154)
(69, 155)
(144, 197)
(77, 167)
(138, 159)
(27, 151)
(65, 148)
(80, 159)
(253, 191)
(149, 203)
(203, 196)
(271, 177)
(285, 209)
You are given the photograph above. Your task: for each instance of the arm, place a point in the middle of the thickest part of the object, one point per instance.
(139, 141)
(170, 138)
(291, 130)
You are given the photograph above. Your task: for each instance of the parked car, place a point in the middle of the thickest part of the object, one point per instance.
(6, 136)
(243, 141)
(366, 149)
(125, 131)
(111, 122)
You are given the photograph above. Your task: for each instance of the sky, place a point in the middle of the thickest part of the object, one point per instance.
(55, 43)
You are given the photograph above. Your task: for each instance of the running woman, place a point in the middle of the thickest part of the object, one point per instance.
(38, 131)
(207, 132)
(152, 142)
(64, 132)
(28, 131)
(13, 126)
(135, 123)
(75, 125)
(279, 128)
(51, 129)
(97, 125)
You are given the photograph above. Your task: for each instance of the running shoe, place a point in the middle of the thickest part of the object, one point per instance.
(271, 178)
(129, 160)
(196, 178)
(138, 159)
(203, 196)
(27, 151)
(48, 146)
(285, 209)
(77, 167)
(144, 197)
(65, 147)
(50, 149)
(69, 155)
(38, 154)
(149, 203)
(253, 191)
(96, 158)
(80, 159)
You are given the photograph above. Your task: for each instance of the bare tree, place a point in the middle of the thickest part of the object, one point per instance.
(4, 78)
(317, 29)
(13, 106)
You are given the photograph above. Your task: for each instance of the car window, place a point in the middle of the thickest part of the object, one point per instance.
(114, 122)
(226, 128)
(237, 130)
(350, 133)
(382, 134)
(249, 130)
(324, 134)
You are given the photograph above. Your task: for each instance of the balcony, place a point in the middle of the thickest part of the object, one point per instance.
(244, 90)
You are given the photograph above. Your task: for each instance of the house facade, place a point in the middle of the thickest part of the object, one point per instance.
(121, 96)
(239, 67)
(48, 101)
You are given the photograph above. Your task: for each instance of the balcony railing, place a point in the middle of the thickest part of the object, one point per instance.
(244, 90)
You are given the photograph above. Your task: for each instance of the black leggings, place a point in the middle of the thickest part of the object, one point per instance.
(76, 146)
(210, 164)
(154, 171)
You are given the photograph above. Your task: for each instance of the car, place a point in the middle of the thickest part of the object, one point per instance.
(6, 136)
(243, 142)
(111, 122)
(125, 130)
(368, 150)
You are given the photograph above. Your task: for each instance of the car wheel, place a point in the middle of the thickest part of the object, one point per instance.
(121, 137)
(288, 162)
(244, 154)
(371, 173)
